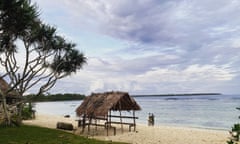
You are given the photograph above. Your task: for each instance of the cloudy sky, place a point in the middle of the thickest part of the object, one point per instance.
(150, 46)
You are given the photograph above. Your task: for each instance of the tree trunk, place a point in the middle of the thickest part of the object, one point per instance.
(19, 114)
(7, 118)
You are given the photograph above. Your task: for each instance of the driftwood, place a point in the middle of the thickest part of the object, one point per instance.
(67, 116)
(64, 126)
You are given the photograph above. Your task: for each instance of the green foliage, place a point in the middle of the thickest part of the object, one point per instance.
(48, 55)
(235, 133)
(16, 17)
(69, 62)
(28, 112)
(230, 142)
(38, 135)
(56, 97)
(236, 127)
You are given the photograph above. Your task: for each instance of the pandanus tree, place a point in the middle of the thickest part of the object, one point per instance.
(32, 54)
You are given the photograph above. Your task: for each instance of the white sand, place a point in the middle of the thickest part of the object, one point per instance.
(172, 135)
(145, 134)
(49, 121)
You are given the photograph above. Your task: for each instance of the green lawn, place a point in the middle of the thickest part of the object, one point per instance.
(38, 135)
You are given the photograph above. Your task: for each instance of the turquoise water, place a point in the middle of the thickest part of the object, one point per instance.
(214, 112)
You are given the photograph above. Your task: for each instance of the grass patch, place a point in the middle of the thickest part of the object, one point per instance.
(38, 135)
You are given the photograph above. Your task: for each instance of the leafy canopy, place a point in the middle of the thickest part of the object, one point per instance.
(32, 54)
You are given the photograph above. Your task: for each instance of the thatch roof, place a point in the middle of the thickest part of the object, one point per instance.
(4, 87)
(98, 104)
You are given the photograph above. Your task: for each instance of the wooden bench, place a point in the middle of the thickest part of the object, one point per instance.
(80, 121)
(115, 116)
(105, 126)
(129, 124)
(80, 124)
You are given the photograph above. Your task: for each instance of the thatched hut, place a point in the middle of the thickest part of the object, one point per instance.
(11, 97)
(98, 106)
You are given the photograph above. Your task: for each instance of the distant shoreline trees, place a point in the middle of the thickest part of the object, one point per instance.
(56, 97)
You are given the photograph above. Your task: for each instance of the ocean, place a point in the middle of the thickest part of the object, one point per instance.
(203, 111)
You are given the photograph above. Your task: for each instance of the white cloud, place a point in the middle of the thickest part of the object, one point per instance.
(172, 45)
(194, 78)
(96, 85)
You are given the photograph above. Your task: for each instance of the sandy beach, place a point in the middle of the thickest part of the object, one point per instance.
(144, 134)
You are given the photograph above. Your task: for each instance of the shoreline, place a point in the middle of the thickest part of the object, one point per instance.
(192, 127)
(160, 134)
(156, 125)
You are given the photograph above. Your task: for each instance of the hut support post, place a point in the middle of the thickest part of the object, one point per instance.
(134, 120)
(84, 123)
(108, 119)
(120, 106)
(89, 123)
(95, 125)
(121, 120)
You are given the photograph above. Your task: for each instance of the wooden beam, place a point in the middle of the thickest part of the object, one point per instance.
(130, 117)
(100, 118)
(123, 123)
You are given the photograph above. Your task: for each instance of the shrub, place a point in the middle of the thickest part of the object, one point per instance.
(28, 112)
(235, 133)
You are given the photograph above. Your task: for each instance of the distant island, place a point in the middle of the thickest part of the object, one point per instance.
(56, 97)
(184, 94)
(72, 96)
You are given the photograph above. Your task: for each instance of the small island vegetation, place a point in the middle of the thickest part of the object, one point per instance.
(55, 97)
